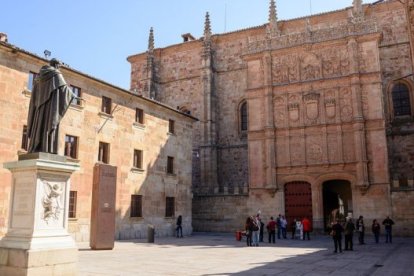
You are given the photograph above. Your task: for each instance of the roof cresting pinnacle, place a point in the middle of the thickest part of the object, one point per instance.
(207, 26)
(272, 12)
(151, 40)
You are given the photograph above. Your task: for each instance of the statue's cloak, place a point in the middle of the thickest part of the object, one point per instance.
(51, 97)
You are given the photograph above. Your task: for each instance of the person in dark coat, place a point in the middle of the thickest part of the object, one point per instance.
(349, 234)
(293, 225)
(249, 230)
(179, 228)
(261, 230)
(361, 229)
(336, 233)
(388, 223)
(376, 227)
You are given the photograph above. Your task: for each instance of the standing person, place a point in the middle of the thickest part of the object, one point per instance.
(293, 224)
(299, 229)
(279, 226)
(283, 225)
(179, 228)
(349, 234)
(256, 228)
(336, 234)
(388, 223)
(271, 229)
(306, 225)
(261, 229)
(361, 229)
(249, 231)
(376, 230)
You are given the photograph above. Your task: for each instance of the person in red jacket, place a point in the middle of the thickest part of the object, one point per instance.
(306, 224)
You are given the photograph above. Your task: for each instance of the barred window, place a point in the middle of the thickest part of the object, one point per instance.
(139, 116)
(71, 146)
(170, 165)
(106, 105)
(73, 197)
(30, 82)
(401, 100)
(169, 207)
(25, 139)
(136, 206)
(103, 154)
(138, 159)
(171, 125)
(77, 92)
(243, 117)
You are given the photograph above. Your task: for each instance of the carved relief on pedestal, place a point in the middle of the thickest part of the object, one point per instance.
(279, 104)
(52, 201)
(310, 67)
(345, 96)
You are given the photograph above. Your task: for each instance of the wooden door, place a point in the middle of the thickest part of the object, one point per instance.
(298, 201)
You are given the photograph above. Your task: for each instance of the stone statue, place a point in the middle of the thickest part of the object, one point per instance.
(50, 99)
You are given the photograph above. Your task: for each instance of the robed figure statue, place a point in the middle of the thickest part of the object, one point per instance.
(51, 97)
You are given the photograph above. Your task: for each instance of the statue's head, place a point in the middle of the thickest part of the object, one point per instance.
(55, 63)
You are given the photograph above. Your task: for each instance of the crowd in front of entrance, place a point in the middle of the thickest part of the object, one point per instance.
(300, 229)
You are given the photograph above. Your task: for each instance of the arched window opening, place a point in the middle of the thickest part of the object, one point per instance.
(401, 100)
(243, 117)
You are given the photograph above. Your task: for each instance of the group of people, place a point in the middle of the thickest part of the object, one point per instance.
(350, 227)
(254, 229)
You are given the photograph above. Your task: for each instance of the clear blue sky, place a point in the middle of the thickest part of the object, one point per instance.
(96, 36)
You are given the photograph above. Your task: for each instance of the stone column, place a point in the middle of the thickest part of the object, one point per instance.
(37, 241)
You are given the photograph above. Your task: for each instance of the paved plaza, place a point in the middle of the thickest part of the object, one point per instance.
(221, 254)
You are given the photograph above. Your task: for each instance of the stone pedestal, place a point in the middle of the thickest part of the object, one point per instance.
(37, 241)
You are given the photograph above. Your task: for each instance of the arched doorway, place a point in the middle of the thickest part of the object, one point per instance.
(298, 201)
(337, 201)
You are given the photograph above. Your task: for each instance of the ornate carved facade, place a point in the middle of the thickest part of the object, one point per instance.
(321, 113)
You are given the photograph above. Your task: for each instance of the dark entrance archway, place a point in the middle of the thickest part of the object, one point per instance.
(337, 201)
(298, 201)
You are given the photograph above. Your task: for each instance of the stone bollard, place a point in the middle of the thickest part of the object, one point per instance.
(151, 233)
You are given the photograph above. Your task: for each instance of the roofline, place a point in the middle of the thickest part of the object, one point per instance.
(66, 67)
(256, 27)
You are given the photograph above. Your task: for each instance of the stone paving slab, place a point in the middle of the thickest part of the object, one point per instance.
(220, 254)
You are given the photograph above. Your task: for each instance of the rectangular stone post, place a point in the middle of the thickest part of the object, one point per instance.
(37, 241)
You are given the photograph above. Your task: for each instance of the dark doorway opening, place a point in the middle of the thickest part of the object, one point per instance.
(337, 201)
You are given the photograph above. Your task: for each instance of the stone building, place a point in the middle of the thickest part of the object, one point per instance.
(149, 143)
(305, 117)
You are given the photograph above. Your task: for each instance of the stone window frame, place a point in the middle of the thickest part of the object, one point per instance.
(78, 92)
(71, 148)
(138, 160)
(410, 87)
(104, 152)
(169, 207)
(136, 206)
(242, 133)
(73, 199)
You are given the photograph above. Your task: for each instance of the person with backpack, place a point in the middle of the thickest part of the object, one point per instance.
(256, 229)
(249, 230)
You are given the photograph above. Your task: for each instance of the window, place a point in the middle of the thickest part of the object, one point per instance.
(103, 155)
(106, 105)
(139, 116)
(170, 165)
(401, 100)
(136, 206)
(243, 117)
(138, 159)
(77, 92)
(31, 81)
(73, 196)
(169, 207)
(71, 146)
(25, 139)
(171, 124)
